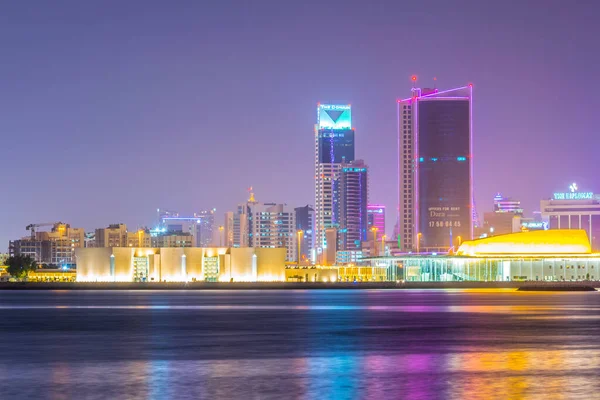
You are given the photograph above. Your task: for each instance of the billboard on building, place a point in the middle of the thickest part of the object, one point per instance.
(443, 178)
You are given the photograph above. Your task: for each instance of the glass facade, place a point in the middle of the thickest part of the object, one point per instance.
(376, 219)
(444, 183)
(335, 146)
(211, 269)
(448, 268)
(350, 206)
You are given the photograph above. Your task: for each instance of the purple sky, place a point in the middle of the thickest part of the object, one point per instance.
(111, 109)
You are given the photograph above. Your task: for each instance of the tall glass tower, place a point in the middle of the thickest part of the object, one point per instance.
(350, 205)
(435, 169)
(334, 145)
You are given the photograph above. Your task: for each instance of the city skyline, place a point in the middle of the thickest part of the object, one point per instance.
(92, 127)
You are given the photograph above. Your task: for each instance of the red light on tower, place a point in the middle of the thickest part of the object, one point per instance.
(470, 85)
(413, 78)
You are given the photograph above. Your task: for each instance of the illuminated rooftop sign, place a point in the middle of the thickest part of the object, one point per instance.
(535, 225)
(573, 194)
(334, 116)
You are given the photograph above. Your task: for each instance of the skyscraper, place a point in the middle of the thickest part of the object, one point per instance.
(236, 228)
(305, 221)
(376, 218)
(435, 170)
(205, 225)
(334, 145)
(351, 205)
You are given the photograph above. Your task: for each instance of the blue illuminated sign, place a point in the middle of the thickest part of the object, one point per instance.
(574, 196)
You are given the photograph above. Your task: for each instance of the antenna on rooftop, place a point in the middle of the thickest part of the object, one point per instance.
(251, 192)
(435, 82)
(414, 80)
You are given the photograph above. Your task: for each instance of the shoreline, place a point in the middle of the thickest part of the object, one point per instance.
(530, 286)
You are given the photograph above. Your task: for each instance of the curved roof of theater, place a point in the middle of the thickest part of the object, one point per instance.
(550, 242)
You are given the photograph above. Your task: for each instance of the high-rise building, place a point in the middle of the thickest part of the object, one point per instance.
(376, 219)
(273, 225)
(228, 229)
(507, 205)
(435, 171)
(334, 145)
(205, 227)
(200, 225)
(350, 210)
(267, 225)
(305, 222)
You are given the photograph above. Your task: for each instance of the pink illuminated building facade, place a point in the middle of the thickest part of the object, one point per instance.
(435, 169)
(376, 218)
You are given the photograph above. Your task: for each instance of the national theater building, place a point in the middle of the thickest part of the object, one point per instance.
(551, 255)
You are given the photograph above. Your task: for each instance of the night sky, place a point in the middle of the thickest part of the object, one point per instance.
(111, 109)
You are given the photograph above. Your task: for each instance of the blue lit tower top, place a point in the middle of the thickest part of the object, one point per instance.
(334, 145)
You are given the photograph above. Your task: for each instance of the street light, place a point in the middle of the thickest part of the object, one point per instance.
(221, 236)
(419, 241)
(459, 238)
(300, 233)
(383, 244)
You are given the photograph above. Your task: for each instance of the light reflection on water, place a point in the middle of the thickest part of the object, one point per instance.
(518, 374)
(313, 345)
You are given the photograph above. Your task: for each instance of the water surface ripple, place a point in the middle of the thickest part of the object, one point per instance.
(321, 344)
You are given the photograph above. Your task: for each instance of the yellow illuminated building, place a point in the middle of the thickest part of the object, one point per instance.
(135, 264)
(362, 273)
(346, 273)
(312, 273)
(551, 255)
(550, 242)
(52, 275)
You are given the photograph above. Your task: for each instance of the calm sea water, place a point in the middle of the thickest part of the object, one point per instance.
(379, 344)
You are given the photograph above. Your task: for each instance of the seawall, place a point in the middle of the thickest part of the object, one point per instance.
(280, 285)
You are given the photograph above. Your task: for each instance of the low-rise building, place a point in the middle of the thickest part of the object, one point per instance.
(54, 247)
(574, 210)
(52, 275)
(178, 239)
(542, 255)
(343, 257)
(115, 235)
(183, 264)
(140, 238)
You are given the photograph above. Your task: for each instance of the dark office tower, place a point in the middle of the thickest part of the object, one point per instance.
(334, 145)
(351, 205)
(305, 220)
(435, 170)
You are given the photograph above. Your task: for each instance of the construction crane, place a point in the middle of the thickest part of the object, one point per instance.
(32, 227)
